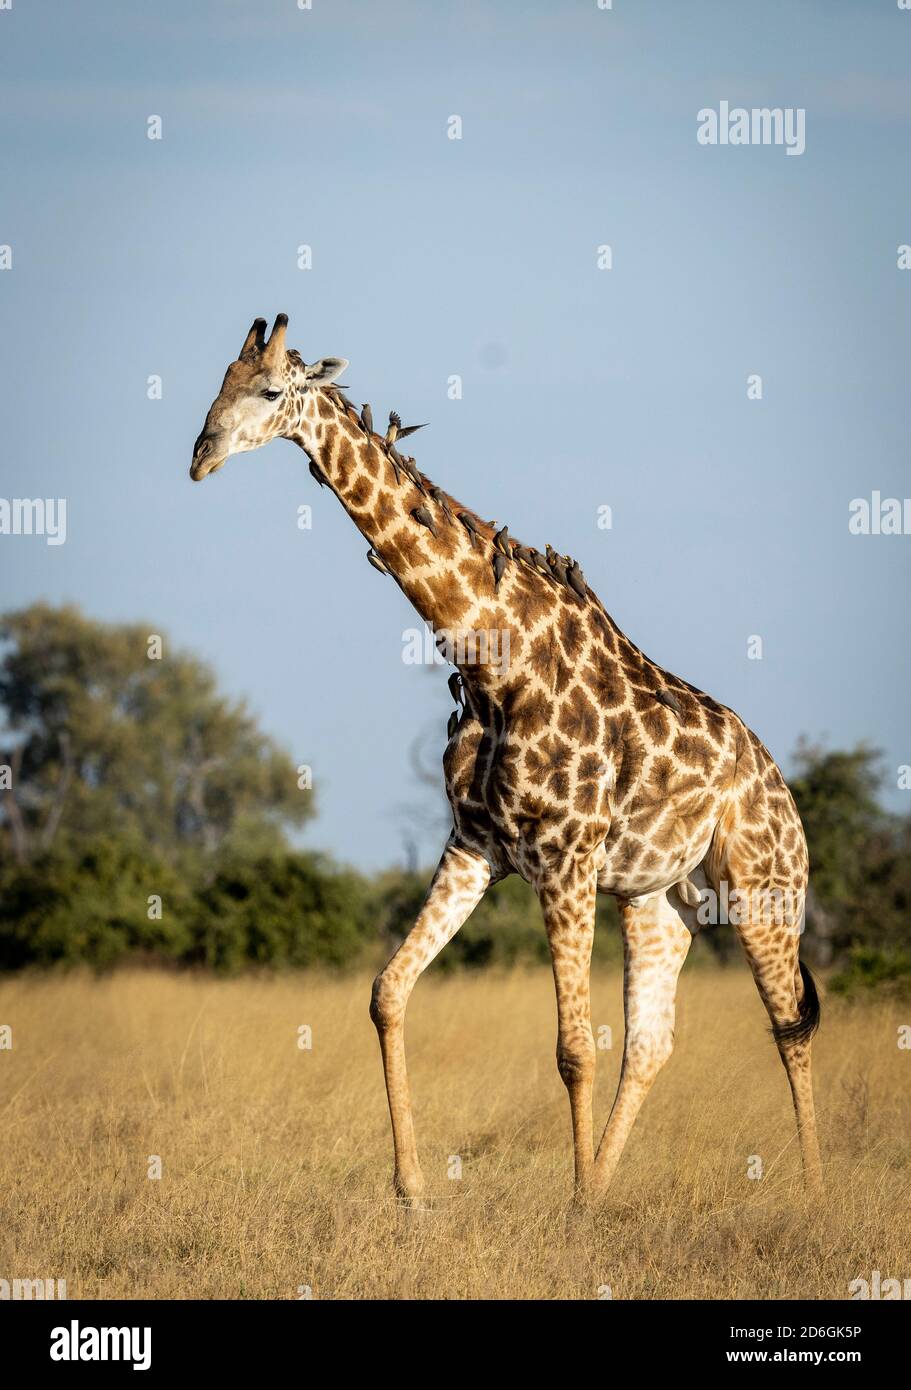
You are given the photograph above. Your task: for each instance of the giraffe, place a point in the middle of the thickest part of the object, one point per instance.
(579, 764)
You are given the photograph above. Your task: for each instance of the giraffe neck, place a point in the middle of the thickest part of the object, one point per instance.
(446, 572)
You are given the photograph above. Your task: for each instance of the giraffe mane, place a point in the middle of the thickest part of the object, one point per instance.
(669, 684)
(485, 529)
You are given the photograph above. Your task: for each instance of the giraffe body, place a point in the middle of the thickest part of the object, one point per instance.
(576, 763)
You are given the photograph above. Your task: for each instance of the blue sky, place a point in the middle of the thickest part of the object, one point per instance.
(582, 387)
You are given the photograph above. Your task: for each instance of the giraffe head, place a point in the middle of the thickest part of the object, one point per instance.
(257, 397)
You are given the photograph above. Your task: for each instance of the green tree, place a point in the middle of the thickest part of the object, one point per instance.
(837, 796)
(859, 908)
(100, 738)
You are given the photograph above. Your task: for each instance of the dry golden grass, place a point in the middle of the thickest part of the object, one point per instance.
(277, 1160)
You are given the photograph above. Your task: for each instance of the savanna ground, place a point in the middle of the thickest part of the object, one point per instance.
(276, 1159)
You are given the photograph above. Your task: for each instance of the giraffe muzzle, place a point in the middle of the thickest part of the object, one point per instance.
(206, 459)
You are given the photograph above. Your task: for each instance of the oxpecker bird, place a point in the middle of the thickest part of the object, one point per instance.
(376, 562)
(392, 431)
(422, 515)
(667, 697)
(398, 463)
(499, 567)
(576, 579)
(397, 430)
(557, 567)
(501, 540)
(439, 497)
(471, 526)
(409, 466)
(347, 405)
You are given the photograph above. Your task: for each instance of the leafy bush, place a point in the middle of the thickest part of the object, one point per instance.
(280, 910)
(97, 906)
(871, 967)
(92, 907)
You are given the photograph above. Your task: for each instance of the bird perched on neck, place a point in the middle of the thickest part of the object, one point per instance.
(408, 465)
(669, 699)
(501, 540)
(424, 518)
(575, 578)
(347, 405)
(396, 430)
(439, 497)
(471, 526)
(557, 565)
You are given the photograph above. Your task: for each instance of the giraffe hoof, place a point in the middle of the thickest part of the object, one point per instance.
(410, 1196)
(578, 1215)
(416, 1208)
(589, 1203)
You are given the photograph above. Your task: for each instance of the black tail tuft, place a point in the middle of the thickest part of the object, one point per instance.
(807, 1021)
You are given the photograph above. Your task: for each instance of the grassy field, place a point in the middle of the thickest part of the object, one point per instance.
(276, 1159)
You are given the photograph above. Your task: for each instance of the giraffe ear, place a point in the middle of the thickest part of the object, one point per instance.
(325, 371)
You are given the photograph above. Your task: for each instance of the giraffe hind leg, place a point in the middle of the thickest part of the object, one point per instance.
(788, 991)
(759, 855)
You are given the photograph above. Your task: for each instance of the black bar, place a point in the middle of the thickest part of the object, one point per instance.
(237, 1338)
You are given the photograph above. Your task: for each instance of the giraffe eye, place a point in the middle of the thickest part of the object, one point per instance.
(270, 395)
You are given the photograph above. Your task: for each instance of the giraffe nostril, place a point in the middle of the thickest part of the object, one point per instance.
(201, 452)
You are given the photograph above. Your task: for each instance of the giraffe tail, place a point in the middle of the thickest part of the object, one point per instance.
(808, 1011)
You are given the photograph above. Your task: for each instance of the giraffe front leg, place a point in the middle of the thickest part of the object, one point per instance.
(568, 904)
(459, 883)
(655, 943)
